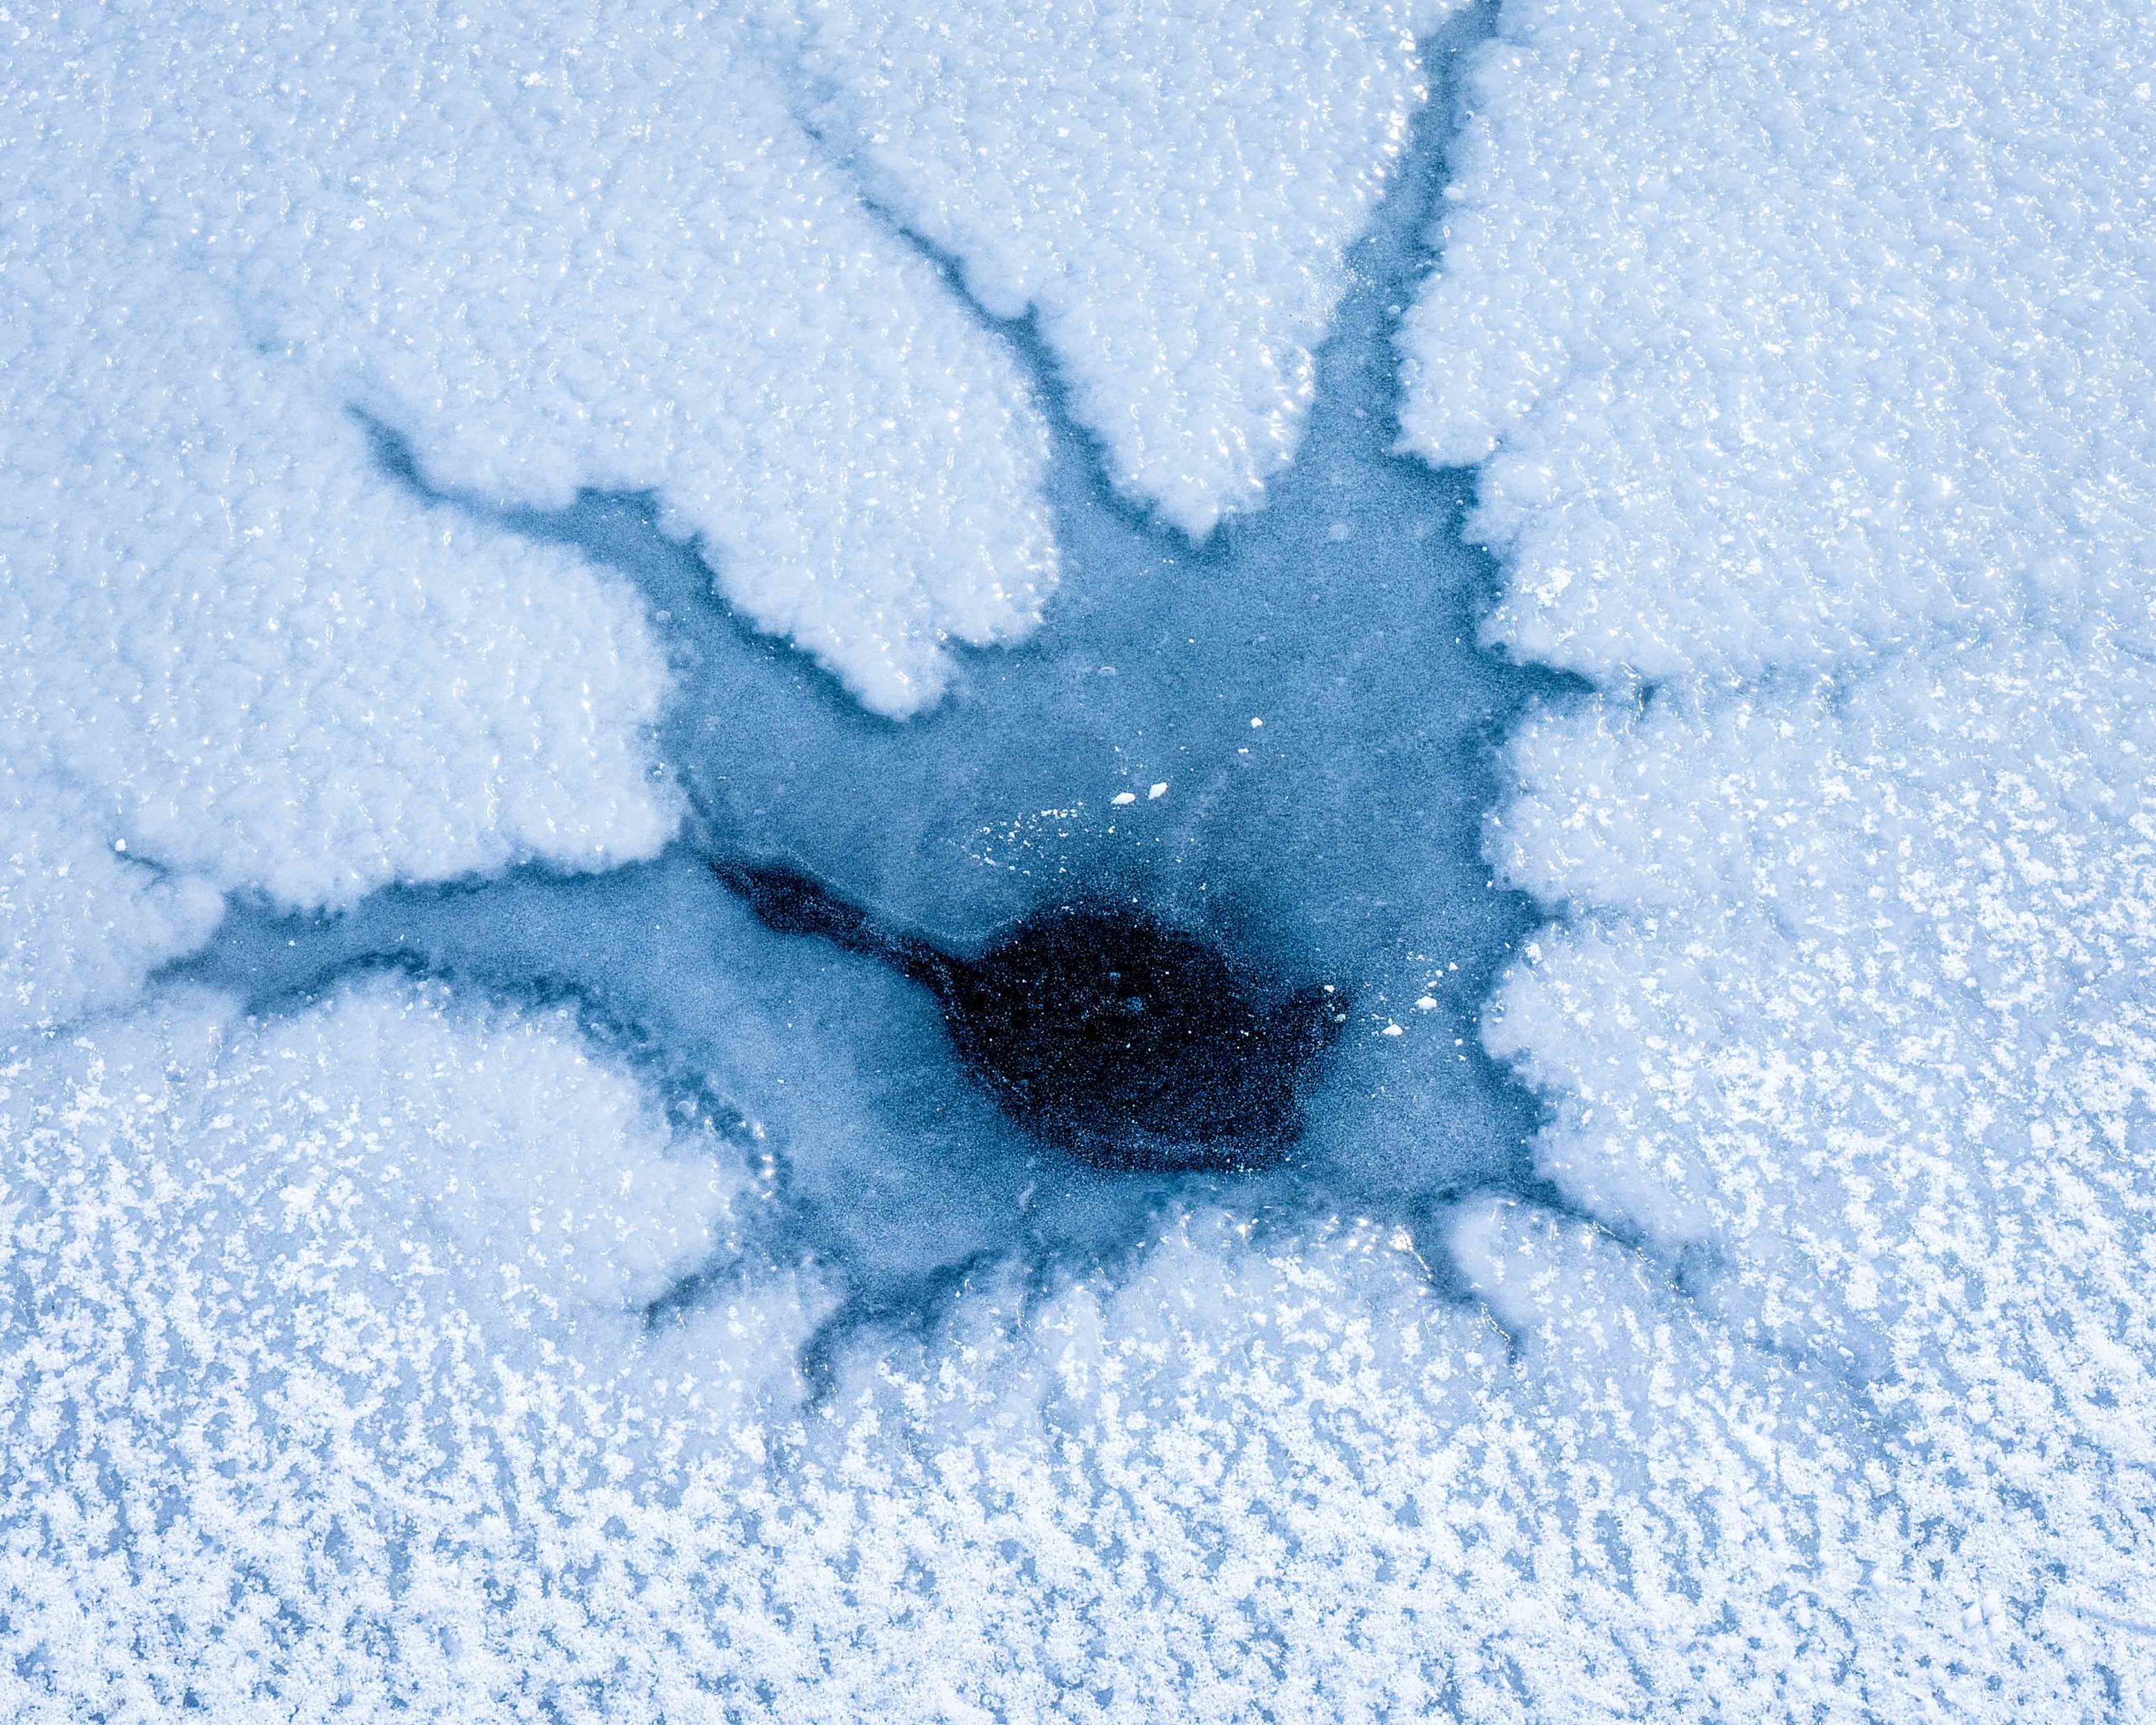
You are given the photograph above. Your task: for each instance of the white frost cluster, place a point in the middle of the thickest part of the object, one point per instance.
(257, 660)
(1855, 1018)
(1790, 331)
(1170, 188)
(558, 249)
(1809, 349)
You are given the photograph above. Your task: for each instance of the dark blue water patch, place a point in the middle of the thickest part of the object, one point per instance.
(1133, 1044)
(1280, 741)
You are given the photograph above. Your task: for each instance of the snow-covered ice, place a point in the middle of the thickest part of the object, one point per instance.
(81, 921)
(236, 656)
(1168, 190)
(290, 1307)
(481, 1273)
(562, 248)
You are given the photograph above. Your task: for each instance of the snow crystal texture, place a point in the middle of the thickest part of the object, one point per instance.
(235, 656)
(556, 250)
(1169, 189)
(1806, 350)
(302, 1359)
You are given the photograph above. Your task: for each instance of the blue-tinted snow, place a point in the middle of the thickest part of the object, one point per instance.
(1337, 839)
(1810, 351)
(431, 1346)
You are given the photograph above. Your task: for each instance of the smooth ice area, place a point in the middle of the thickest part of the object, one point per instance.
(1284, 737)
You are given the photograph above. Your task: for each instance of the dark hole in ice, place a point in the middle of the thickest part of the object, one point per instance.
(1099, 1029)
(1309, 689)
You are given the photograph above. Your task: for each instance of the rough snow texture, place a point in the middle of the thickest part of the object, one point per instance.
(1790, 331)
(551, 254)
(1169, 189)
(81, 923)
(1810, 351)
(556, 251)
(280, 1443)
(232, 653)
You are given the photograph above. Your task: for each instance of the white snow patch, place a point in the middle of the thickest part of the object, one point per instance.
(563, 249)
(271, 665)
(1788, 331)
(1170, 188)
(311, 1328)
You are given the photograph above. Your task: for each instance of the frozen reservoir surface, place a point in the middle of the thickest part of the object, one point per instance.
(1282, 737)
(583, 590)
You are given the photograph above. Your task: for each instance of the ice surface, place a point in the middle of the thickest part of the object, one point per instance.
(1339, 841)
(557, 249)
(1169, 189)
(236, 653)
(1272, 1474)
(265, 664)
(636, 1314)
(1790, 332)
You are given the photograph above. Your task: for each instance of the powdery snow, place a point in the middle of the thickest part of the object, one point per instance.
(1170, 188)
(236, 656)
(1792, 331)
(270, 666)
(549, 252)
(558, 250)
(327, 1382)
(1808, 348)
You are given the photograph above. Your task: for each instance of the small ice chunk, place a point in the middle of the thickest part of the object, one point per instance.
(1158, 792)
